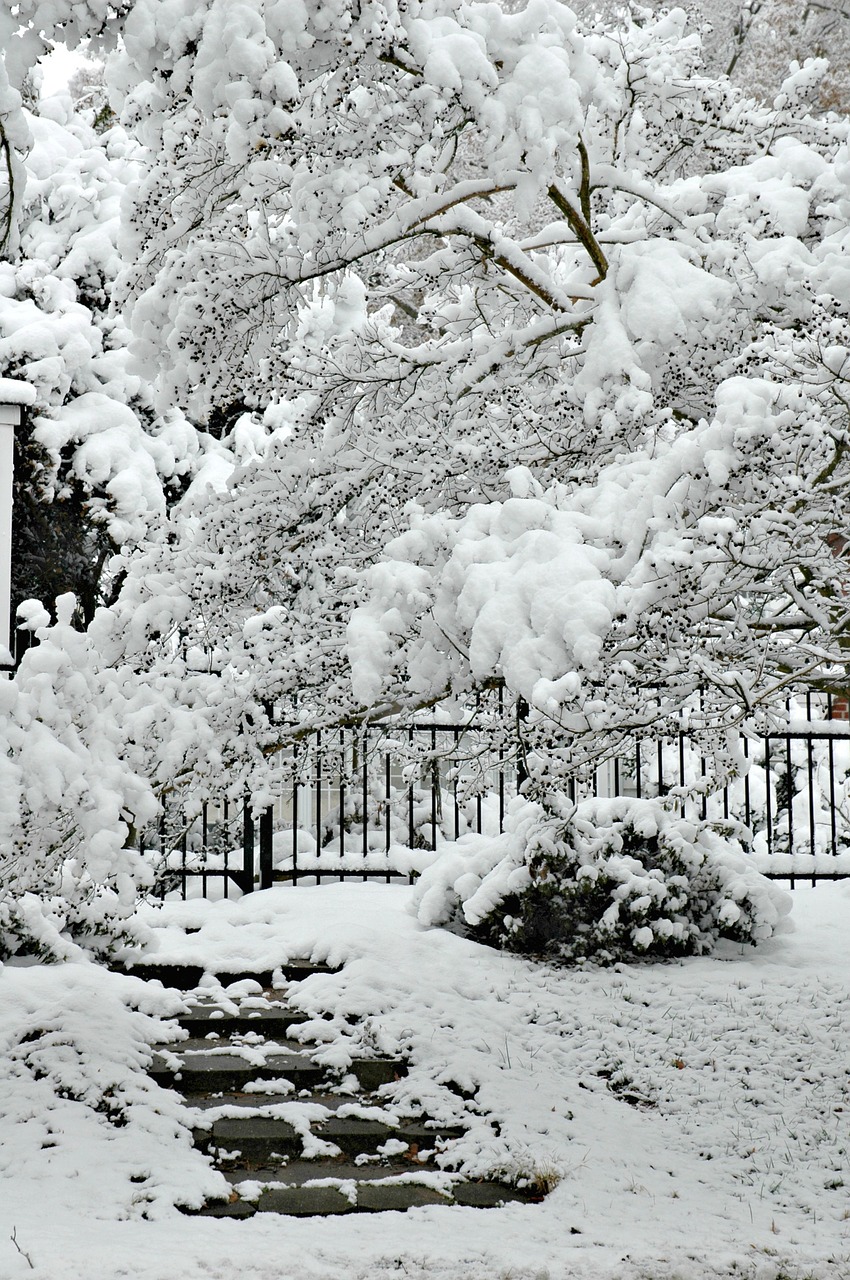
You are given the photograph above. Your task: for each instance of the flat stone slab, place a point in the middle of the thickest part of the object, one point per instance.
(304, 1201)
(223, 1072)
(297, 1172)
(489, 1195)
(300, 1197)
(251, 1103)
(205, 1072)
(222, 1209)
(262, 1137)
(371, 1073)
(202, 1061)
(380, 1197)
(355, 1136)
(273, 1021)
(200, 1044)
(187, 976)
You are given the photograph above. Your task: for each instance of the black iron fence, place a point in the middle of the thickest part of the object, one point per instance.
(376, 802)
(348, 804)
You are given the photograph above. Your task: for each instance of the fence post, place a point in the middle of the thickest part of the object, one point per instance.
(247, 847)
(521, 717)
(266, 848)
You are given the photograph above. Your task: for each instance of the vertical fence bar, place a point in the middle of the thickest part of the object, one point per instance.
(435, 786)
(789, 789)
(247, 847)
(703, 766)
(204, 848)
(832, 824)
(388, 786)
(364, 751)
(748, 814)
(341, 790)
(164, 853)
(659, 764)
(183, 872)
(296, 818)
(267, 847)
(767, 794)
(454, 786)
(411, 832)
(810, 760)
(225, 855)
(638, 770)
(521, 717)
(318, 750)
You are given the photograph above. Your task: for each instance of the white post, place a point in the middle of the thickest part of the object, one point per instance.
(14, 397)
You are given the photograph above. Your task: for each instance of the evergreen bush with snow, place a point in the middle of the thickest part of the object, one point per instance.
(614, 880)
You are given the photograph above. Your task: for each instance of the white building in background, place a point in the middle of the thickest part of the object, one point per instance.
(15, 397)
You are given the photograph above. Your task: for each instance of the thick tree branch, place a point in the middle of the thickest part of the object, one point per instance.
(9, 213)
(581, 229)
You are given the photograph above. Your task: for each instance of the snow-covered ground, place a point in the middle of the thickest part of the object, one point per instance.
(692, 1118)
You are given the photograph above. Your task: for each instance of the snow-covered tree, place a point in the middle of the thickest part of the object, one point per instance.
(530, 338)
(754, 42)
(544, 332)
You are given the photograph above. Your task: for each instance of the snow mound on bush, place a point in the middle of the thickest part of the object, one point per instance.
(78, 1112)
(618, 878)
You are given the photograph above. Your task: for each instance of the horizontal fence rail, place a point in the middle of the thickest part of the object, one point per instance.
(373, 803)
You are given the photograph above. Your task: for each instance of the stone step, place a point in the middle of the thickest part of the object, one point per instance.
(260, 1153)
(308, 1201)
(205, 1073)
(296, 1172)
(271, 1020)
(320, 1197)
(235, 1042)
(255, 1101)
(186, 977)
(261, 1138)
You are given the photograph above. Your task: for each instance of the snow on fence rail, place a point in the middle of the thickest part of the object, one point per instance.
(373, 802)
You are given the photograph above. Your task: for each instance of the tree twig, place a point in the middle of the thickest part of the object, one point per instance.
(22, 1252)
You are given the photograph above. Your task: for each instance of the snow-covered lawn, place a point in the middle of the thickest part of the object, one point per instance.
(691, 1117)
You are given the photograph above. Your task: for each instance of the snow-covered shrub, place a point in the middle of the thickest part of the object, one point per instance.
(76, 1102)
(72, 787)
(617, 879)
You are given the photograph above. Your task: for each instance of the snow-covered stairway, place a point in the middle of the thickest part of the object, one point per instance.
(289, 1138)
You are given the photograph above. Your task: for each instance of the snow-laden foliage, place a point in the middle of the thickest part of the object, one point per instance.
(75, 1096)
(92, 448)
(754, 43)
(619, 879)
(545, 335)
(72, 785)
(530, 341)
(93, 466)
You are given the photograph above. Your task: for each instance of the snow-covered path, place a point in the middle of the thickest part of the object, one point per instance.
(692, 1118)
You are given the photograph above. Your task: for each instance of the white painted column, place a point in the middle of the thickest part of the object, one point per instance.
(14, 397)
